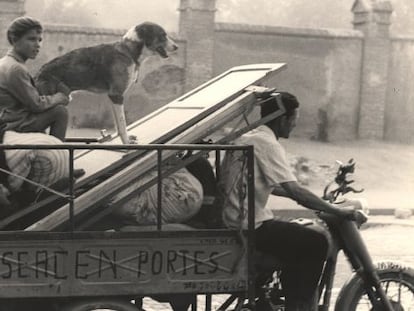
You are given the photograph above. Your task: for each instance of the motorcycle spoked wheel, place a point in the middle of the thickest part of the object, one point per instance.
(398, 284)
(101, 305)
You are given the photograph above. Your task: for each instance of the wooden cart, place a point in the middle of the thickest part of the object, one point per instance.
(53, 258)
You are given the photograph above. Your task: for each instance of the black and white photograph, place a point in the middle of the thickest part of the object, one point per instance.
(206, 155)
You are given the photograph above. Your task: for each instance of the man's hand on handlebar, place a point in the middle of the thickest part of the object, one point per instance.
(351, 213)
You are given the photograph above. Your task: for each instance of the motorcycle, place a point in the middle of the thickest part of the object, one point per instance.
(382, 286)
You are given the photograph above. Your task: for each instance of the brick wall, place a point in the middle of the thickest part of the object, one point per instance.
(196, 27)
(346, 79)
(352, 83)
(374, 24)
(399, 108)
(323, 71)
(374, 85)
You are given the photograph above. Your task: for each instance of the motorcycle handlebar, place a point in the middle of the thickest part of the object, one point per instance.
(358, 216)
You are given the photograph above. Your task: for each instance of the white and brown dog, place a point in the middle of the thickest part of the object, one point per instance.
(106, 68)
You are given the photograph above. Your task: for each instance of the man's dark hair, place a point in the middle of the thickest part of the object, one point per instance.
(289, 101)
(20, 26)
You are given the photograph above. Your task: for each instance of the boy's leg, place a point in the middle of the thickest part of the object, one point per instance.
(56, 118)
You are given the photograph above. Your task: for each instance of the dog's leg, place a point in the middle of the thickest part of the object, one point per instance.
(120, 120)
(116, 91)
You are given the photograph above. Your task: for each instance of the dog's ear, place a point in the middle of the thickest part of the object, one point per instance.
(147, 32)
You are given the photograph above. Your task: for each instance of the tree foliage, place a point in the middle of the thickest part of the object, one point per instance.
(290, 13)
(304, 13)
(403, 17)
(105, 13)
(62, 12)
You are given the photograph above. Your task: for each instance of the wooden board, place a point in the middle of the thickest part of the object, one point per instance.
(129, 263)
(196, 114)
(180, 114)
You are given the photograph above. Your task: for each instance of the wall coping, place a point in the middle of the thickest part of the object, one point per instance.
(290, 31)
(70, 28)
(402, 38)
(49, 27)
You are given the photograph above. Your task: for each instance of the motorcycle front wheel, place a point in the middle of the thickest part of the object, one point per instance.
(397, 282)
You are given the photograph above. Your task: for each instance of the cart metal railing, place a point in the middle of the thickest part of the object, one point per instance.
(163, 153)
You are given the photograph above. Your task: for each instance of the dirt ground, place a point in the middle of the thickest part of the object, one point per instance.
(385, 170)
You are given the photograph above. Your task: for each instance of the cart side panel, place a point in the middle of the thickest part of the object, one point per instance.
(121, 266)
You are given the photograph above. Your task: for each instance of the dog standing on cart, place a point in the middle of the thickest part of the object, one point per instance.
(106, 68)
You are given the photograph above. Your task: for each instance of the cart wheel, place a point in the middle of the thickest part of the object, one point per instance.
(103, 304)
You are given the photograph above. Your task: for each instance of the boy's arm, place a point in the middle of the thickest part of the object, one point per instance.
(21, 87)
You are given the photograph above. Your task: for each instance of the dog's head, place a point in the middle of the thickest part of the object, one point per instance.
(154, 38)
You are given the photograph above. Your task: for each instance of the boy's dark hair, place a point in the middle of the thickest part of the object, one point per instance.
(289, 101)
(20, 26)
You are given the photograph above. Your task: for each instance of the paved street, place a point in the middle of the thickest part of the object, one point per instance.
(387, 239)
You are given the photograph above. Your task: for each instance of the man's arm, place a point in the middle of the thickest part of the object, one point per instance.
(279, 191)
(309, 200)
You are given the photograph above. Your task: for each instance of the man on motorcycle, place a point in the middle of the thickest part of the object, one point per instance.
(299, 250)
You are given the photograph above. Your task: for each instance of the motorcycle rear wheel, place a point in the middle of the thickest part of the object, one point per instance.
(397, 282)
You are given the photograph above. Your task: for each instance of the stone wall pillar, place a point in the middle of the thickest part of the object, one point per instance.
(373, 19)
(9, 10)
(196, 27)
